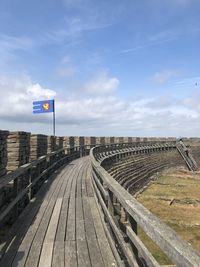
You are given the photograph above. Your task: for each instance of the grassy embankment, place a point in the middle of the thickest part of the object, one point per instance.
(175, 199)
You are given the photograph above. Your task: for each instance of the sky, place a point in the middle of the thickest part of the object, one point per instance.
(114, 68)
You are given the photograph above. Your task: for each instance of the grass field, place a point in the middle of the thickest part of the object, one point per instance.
(175, 199)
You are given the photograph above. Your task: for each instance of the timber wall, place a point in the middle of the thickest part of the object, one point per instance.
(18, 148)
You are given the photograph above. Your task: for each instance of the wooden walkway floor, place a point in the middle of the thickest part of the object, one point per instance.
(62, 227)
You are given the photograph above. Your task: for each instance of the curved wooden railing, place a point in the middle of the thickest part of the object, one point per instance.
(21, 185)
(123, 213)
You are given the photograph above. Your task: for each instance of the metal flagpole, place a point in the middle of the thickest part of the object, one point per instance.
(54, 119)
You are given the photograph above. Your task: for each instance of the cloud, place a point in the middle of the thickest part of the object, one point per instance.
(17, 95)
(153, 40)
(97, 114)
(102, 84)
(15, 43)
(164, 76)
(181, 3)
(65, 67)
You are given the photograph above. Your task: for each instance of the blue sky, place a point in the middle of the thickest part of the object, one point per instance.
(114, 67)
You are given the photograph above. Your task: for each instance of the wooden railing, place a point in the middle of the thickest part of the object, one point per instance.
(184, 152)
(19, 187)
(123, 214)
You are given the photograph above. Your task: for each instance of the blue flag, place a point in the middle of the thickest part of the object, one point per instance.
(43, 106)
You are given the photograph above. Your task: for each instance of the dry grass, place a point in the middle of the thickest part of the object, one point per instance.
(175, 199)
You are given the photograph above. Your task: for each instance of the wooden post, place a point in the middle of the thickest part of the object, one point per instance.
(133, 225)
(15, 190)
(30, 181)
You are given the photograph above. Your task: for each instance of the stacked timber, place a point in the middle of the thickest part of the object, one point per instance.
(59, 142)
(18, 147)
(102, 140)
(98, 142)
(51, 144)
(112, 139)
(68, 143)
(119, 140)
(90, 141)
(3, 152)
(107, 140)
(144, 139)
(137, 139)
(38, 146)
(79, 141)
(129, 139)
(125, 139)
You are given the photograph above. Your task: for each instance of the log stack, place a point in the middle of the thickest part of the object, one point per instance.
(107, 140)
(59, 142)
(102, 140)
(3, 152)
(125, 139)
(18, 148)
(68, 142)
(78, 140)
(129, 139)
(89, 141)
(112, 139)
(51, 144)
(98, 142)
(38, 146)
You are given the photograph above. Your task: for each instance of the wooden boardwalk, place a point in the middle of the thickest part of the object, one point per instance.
(62, 227)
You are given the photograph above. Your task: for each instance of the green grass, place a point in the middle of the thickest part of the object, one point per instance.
(183, 218)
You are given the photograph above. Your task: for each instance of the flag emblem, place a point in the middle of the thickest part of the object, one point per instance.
(43, 106)
(46, 106)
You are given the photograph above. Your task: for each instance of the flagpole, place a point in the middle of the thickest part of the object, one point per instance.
(54, 119)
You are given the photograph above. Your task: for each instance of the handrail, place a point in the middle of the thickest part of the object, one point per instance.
(51, 162)
(184, 152)
(178, 250)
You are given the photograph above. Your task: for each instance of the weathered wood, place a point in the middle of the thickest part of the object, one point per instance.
(104, 246)
(93, 245)
(70, 254)
(23, 224)
(82, 253)
(143, 251)
(125, 247)
(62, 230)
(178, 250)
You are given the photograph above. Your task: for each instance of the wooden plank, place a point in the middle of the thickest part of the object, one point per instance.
(124, 246)
(51, 231)
(89, 188)
(143, 251)
(80, 225)
(79, 184)
(46, 255)
(24, 221)
(93, 246)
(71, 221)
(58, 254)
(61, 230)
(47, 248)
(33, 258)
(70, 254)
(82, 253)
(106, 252)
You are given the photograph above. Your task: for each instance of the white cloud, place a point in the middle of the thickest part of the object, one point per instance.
(102, 84)
(96, 114)
(165, 75)
(17, 95)
(65, 68)
(66, 71)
